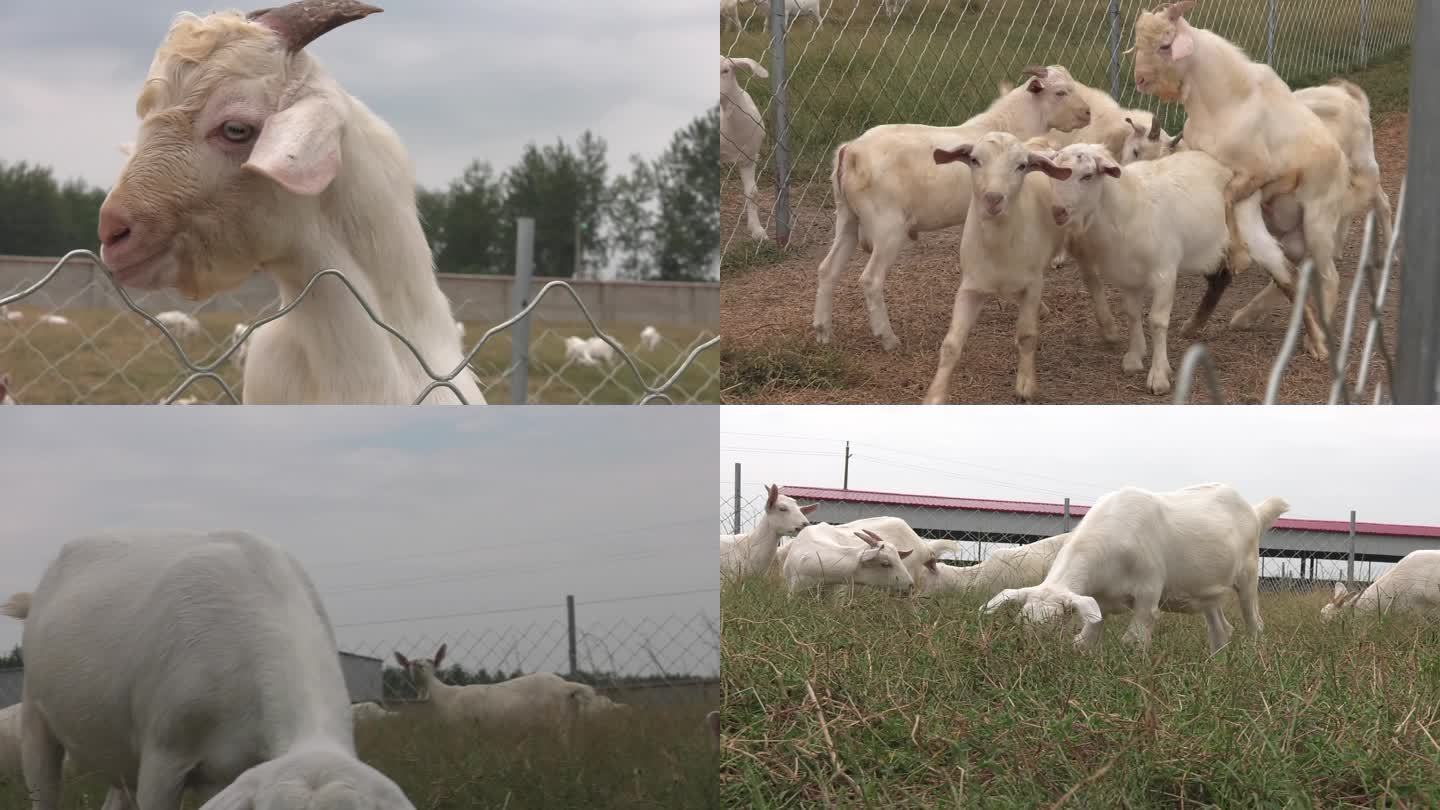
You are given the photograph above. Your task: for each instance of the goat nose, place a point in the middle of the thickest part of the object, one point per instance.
(993, 199)
(114, 226)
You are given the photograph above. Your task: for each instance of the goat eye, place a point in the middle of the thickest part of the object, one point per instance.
(1164, 47)
(236, 131)
(1061, 93)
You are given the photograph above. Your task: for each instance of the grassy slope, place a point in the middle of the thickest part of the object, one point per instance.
(927, 705)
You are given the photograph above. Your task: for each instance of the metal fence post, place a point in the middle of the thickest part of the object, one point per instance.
(782, 120)
(1350, 560)
(1270, 32)
(737, 498)
(1418, 338)
(1114, 51)
(519, 297)
(1067, 514)
(1364, 24)
(570, 620)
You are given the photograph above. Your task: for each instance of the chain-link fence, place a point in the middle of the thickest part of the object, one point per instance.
(940, 61)
(75, 336)
(1295, 555)
(664, 660)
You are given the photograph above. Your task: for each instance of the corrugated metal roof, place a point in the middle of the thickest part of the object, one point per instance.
(1076, 510)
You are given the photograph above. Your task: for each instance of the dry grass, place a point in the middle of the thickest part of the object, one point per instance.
(882, 702)
(104, 356)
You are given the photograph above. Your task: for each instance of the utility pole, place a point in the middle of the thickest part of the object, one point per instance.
(847, 465)
(579, 246)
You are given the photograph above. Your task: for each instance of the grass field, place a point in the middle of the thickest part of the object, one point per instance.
(883, 702)
(105, 356)
(660, 759)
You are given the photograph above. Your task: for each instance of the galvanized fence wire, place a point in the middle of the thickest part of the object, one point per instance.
(655, 660)
(1291, 560)
(640, 381)
(940, 62)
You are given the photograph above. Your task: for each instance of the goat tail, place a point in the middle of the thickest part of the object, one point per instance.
(18, 607)
(1270, 509)
(1354, 91)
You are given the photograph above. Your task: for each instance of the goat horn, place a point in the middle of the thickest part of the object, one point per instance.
(1154, 129)
(1037, 71)
(302, 22)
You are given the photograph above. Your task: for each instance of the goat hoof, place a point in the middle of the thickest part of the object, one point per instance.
(1110, 336)
(822, 334)
(1132, 363)
(1158, 383)
(889, 342)
(1026, 390)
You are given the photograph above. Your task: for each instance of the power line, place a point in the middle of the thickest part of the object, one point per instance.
(473, 575)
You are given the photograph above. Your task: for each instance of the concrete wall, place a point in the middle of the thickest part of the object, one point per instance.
(80, 283)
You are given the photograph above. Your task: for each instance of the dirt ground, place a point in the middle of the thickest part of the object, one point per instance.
(766, 311)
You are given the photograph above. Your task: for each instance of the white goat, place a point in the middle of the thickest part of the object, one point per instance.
(888, 188)
(180, 324)
(250, 155)
(1018, 567)
(370, 710)
(1411, 586)
(1145, 139)
(1143, 226)
(1244, 114)
(55, 320)
(540, 701)
(794, 9)
(895, 531)
(577, 350)
(749, 554)
(649, 338)
(817, 561)
(226, 626)
(600, 351)
(742, 133)
(11, 314)
(1180, 552)
(1009, 240)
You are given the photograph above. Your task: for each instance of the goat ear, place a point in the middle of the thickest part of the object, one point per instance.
(772, 494)
(807, 509)
(1139, 130)
(960, 153)
(1035, 86)
(1177, 10)
(1338, 592)
(1184, 43)
(299, 148)
(439, 655)
(1087, 607)
(402, 660)
(906, 553)
(932, 564)
(1109, 167)
(751, 65)
(1039, 163)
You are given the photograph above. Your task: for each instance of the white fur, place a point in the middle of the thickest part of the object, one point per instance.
(742, 134)
(892, 530)
(55, 320)
(815, 560)
(1018, 567)
(749, 554)
(1143, 226)
(649, 338)
(1411, 586)
(1180, 551)
(888, 188)
(370, 710)
(161, 659)
(180, 324)
(1004, 250)
(338, 192)
(577, 350)
(600, 351)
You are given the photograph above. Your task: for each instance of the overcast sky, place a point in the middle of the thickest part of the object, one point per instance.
(402, 513)
(457, 80)
(1324, 461)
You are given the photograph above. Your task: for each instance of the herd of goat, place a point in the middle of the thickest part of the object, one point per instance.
(167, 661)
(1054, 168)
(1144, 552)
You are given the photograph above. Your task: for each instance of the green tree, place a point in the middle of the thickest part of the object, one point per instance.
(474, 228)
(632, 220)
(40, 217)
(559, 187)
(687, 233)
